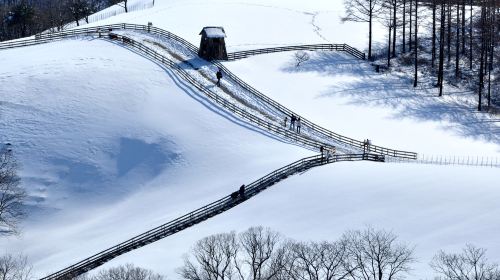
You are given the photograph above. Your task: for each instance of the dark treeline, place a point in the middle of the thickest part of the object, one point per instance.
(453, 41)
(21, 18)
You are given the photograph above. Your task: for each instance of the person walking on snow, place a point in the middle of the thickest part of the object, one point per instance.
(298, 125)
(292, 122)
(219, 76)
(286, 119)
(321, 150)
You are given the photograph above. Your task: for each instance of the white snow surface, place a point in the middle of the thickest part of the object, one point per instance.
(111, 144)
(214, 32)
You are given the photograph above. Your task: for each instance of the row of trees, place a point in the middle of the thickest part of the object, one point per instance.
(369, 254)
(123, 272)
(454, 40)
(260, 253)
(18, 268)
(263, 254)
(21, 18)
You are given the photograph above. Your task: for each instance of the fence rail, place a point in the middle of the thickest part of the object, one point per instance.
(478, 161)
(43, 38)
(201, 214)
(271, 127)
(321, 47)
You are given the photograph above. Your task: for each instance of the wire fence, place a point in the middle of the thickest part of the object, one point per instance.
(477, 161)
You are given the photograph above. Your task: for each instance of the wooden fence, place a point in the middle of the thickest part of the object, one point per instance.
(43, 38)
(201, 214)
(317, 47)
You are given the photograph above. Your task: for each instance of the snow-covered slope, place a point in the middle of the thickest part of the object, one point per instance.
(339, 92)
(96, 126)
(112, 144)
(251, 24)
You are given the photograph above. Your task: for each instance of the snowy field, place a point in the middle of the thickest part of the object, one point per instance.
(112, 145)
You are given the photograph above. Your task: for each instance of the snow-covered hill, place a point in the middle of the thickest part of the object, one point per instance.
(112, 144)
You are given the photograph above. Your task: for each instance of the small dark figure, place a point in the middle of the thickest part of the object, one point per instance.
(321, 149)
(366, 146)
(234, 195)
(298, 125)
(286, 119)
(292, 122)
(242, 190)
(219, 76)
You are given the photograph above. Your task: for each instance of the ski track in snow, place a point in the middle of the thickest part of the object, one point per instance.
(316, 28)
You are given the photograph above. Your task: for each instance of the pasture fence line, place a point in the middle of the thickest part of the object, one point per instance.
(316, 47)
(477, 161)
(201, 214)
(100, 30)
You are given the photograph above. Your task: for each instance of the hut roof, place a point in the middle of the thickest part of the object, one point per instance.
(213, 32)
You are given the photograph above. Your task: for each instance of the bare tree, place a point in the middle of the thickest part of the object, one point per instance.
(301, 57)
(320, 261)
(388, 21)
(123, 272)
(471, 263)
(441, 48)
(433, 55)
(255, 254)
(363, 11)
(14, 268)
(121, 3)
(12, 196)
(79, 9)
(213, 258)
(260, 256)
(127, 272)
(415, 79)
(378, 255)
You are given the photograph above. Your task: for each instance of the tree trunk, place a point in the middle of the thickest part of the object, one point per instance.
(410, 34)
(370, 31)
(481, 62)
(449, 32)
(404, 26)
(394, 22)
(441, 50)
(433, 61)
(457, 47)
(389, 48)
(470, 36)
(463, 27)
(416, 44)
(491, 30)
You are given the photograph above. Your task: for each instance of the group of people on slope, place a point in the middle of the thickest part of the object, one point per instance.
(295, 123)
(327, 153)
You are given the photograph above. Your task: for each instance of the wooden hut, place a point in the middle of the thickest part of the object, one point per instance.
(213, 46)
